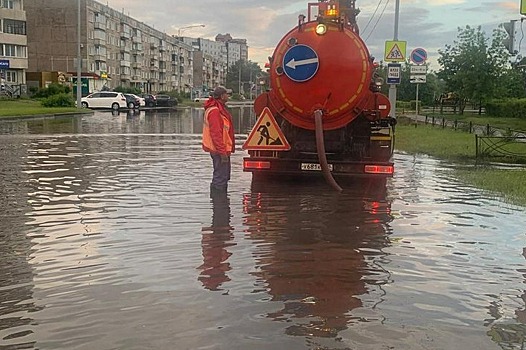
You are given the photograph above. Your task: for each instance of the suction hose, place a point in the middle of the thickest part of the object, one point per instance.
(322, 157)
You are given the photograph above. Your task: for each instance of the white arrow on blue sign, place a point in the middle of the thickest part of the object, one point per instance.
(300, 63)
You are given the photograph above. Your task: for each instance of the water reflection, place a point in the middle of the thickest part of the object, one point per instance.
(98, 249)
(214, 244)
(316, 251)
(167, 121)
(17, 302)
(509, 335)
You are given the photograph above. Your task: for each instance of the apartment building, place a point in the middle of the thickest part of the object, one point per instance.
(13, 47)
(210, 64)
(236, 49)
(116, 50)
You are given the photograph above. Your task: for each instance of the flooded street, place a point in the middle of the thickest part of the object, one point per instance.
(109, 240)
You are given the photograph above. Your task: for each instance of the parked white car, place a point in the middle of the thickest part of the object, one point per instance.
(104, 99)
(142, 101)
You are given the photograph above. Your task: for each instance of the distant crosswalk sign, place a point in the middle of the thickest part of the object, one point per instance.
(395, 51)
(266, 134)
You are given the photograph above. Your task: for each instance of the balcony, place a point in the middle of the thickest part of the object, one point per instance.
(125, 63)
(99, 25)
(99, 42)
(125, 76)
(162, 48)
(125, 35)
(136, 64)
(99, 57)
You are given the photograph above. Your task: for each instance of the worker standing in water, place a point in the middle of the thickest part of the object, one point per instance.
(218, 138)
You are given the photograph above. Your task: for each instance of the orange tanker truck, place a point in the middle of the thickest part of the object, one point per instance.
(324, 113)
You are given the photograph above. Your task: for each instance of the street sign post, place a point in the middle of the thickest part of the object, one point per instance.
(419, 56)
(394, 73)
(395, 51)
(418, 69)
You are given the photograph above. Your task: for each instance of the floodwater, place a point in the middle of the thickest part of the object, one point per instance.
(109, 240)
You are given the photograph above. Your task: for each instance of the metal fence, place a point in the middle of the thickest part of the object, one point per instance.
(490, 141)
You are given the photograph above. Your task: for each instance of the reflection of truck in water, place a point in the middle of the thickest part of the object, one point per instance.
(315, 260)
(325, 99)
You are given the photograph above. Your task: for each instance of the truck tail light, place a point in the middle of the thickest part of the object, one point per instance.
(256, 164)
(379, 169)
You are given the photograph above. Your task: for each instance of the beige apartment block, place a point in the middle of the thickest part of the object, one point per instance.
(116, 50)
(13, 47)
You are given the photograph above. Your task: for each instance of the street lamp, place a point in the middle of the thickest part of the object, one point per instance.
(180, 30)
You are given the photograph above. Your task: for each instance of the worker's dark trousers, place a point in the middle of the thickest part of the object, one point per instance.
(221, 173)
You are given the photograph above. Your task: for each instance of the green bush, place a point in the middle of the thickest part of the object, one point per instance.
(507, 108)
(52, 89)
(58, 100)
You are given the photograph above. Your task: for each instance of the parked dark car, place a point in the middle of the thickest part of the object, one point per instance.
(166, 101)
(149, 100)
(132, 101)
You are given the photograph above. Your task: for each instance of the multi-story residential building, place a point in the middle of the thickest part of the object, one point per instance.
(210, 63)
(237, 49)
(116, 50)
(13, 46)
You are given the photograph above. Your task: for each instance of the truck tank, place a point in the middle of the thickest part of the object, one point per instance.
(324, 102)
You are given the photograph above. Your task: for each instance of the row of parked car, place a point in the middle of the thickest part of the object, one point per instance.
(119, 100)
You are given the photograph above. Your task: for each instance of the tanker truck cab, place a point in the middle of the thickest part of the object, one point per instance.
(324, 113)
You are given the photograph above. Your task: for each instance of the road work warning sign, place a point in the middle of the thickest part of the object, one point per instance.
(266, 134)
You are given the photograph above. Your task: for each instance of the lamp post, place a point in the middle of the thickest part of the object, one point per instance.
(179, 32)
(79, 59)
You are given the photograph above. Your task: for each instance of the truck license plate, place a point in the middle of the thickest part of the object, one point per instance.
(313, 166)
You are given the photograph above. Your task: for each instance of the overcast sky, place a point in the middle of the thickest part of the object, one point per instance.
(430, 24)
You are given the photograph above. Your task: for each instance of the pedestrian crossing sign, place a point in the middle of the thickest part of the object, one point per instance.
(266, 135)
(395, 51)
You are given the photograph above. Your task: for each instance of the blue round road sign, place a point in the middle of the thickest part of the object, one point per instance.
(300, 63)
(419, 56)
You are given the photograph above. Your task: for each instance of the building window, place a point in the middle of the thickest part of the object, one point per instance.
(8, 4)
(11, 76)
(9, 50)
(12, 26)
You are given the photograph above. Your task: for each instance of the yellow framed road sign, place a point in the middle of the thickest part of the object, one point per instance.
(266, 134)
(395, 51)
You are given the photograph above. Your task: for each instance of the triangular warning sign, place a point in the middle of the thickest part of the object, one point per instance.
(266, 134)
(395, 54)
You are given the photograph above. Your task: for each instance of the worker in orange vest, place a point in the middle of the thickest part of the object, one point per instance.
(218, 138)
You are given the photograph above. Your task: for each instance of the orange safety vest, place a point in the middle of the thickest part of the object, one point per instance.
(207, 138)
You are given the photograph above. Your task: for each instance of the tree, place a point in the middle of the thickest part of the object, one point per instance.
(406, 91)
(474, 69)
(242, 76)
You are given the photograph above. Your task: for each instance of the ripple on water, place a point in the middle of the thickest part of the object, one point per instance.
(109, 240)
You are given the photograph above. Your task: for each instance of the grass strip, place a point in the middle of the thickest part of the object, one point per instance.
(459, 147)
(15, 108)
